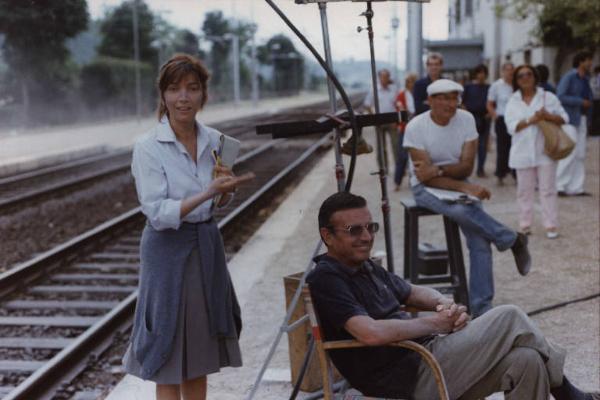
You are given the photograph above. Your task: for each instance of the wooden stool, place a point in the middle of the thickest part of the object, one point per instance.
(415, 260)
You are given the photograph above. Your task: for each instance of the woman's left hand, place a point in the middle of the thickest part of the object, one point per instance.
(221, 171)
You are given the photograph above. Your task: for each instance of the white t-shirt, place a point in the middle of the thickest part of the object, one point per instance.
(387, 99)
(500, 93)
(444, 144)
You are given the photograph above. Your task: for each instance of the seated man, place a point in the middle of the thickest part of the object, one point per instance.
(442, 143)
(356, 299)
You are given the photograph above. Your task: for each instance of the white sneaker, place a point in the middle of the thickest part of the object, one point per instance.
(551, 234)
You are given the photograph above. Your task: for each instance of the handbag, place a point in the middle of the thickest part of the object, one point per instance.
(557, 143)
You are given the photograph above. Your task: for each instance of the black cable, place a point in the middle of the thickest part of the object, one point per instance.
(563, 304)
(331, 75)
(305, 363)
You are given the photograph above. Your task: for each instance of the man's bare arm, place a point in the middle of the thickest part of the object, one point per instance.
(491, 109)
(380, 332)
(453, 175)
(448, 318)
(425, 298)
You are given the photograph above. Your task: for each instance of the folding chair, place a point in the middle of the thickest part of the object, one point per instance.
(327, 367)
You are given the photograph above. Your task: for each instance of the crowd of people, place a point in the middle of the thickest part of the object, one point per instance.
(511, 107)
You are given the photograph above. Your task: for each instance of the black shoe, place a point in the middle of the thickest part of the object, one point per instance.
(562, 193)
(521, 254)
(567, 391)
(362, 147)
(582, 194)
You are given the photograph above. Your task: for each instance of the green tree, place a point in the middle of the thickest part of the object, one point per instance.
(287, 62)
(215, 28)
(117, 31)
(34, 48)
(567, 25)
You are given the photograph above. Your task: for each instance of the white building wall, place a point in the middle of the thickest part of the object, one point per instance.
(504, 38)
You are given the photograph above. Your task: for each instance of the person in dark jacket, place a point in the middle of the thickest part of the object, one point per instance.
(544, 74)
(575, 94)
(357, 299)
(475, 101)
(435, 62)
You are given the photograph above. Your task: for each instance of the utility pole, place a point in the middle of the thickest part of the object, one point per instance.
(414, 45)
(395, 25)
(254, 71)
(235, 60)
(136, 57)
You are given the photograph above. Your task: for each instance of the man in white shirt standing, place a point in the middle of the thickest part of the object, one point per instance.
(387, 92)
(498, 95)
(442, 143)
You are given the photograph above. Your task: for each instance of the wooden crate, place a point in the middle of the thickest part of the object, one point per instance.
(298, 339)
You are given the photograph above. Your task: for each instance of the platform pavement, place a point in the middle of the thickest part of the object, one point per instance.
(283, 246)
(33, 148)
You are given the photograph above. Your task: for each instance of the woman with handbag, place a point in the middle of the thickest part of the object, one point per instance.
(528, 106)
(187, 318)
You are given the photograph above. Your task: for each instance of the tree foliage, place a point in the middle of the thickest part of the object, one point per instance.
(215, 28)
(117, 31)
(288, 64)
(564, 24)
(34, 48)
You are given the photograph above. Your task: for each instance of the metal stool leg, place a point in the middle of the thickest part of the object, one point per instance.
(456, 261)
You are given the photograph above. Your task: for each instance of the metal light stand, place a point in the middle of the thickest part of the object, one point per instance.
(286, 327)
(340, 176)
(385, 203)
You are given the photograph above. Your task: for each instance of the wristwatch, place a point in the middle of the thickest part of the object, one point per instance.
(440, 171)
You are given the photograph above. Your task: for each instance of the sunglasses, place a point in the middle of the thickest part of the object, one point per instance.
(357, 230)
(524, 74)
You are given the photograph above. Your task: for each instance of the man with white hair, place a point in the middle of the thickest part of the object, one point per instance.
(442, 144)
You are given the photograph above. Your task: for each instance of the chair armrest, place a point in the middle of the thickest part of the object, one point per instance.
(407, 344)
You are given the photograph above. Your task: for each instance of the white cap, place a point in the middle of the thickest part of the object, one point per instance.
(444, 86)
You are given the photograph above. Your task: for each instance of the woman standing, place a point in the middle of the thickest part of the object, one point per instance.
(404, 102)
(187, 319)
(498, 95)
(527, 106)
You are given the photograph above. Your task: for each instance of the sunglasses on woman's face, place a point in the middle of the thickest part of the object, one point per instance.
(527, 74)
(357, 230)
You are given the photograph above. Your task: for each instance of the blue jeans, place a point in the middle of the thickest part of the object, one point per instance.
(483, 129)
(401, 160)
(480, 230)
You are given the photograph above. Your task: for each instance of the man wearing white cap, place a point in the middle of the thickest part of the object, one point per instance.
(442, 144)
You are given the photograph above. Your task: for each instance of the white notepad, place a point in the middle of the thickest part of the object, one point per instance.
(452, 196)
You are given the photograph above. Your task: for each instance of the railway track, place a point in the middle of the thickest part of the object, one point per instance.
(25, 189)
(66, 305)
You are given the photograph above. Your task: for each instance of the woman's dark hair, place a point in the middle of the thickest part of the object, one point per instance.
(515, 83)
(543, 72)
(580, 57)
(338, 202)
(173, 71)
(478, 69)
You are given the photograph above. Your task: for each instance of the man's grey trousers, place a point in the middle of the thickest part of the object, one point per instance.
(502, 350)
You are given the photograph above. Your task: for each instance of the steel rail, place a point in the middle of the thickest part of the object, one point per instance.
(38, 173)
(30, 195)
(47, 378)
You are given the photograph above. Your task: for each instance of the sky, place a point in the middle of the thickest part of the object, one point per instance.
(343, 19)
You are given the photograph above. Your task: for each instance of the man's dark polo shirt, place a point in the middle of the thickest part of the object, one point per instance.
(341, 292)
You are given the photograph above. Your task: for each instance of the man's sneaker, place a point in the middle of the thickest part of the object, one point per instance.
(521, 254)
(362, 147)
